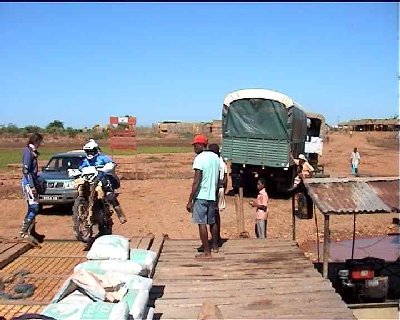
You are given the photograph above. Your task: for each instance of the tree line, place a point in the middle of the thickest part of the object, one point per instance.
(55, 127)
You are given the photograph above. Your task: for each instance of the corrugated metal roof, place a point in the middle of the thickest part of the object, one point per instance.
(355, 195)
(361, 122)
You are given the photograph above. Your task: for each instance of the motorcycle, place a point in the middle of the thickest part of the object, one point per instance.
(91, 206)
(361, 280)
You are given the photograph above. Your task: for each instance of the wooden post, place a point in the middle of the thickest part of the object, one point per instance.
(293, 218)
(241, 210)
(325, 262)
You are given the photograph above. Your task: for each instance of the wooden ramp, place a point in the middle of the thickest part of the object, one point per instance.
(249, 279)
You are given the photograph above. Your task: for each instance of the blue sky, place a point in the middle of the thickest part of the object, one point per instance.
(80, 63)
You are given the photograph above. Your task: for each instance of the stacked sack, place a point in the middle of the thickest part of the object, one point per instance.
(113, 284)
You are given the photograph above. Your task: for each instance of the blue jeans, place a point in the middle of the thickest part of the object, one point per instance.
(31, 200)
(261, 228)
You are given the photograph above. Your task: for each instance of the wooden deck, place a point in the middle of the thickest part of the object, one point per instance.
(249, 279)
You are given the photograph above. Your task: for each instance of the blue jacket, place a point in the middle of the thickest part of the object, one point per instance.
(30, 167)
(98, 161)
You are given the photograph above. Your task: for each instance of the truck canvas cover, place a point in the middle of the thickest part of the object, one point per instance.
(260, 127)
(256, 118)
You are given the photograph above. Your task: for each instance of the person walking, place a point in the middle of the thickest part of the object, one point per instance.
(261, 205)
(202, 198)
(32, 185)
(355, 160)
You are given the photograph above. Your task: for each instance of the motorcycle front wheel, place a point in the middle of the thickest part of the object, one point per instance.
(82, 230)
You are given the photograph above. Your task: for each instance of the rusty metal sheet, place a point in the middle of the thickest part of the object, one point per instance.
(45, 290)
(9, 311)
(388, 191)
(48, 267)
(43, 265)
(352, 195)
(57, 248)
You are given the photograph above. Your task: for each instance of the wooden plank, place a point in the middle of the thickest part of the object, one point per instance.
(134, 242)
(312, 299)
(260, 258)
(12, 253)
(222, 284)
(232, 265)
(235, 275)
(257, 309)
(235, 264)
(228, 292)
(4, 246)
(236, 250)
(239, 284)
(157, 246)
(234, 242)
(240, 313)
(279, 252)
(145, 242)
(276, 275)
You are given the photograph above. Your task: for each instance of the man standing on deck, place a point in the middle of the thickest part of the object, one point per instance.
(202, 198)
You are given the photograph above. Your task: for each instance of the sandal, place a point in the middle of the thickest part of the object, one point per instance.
(215, 249)
(203, 256)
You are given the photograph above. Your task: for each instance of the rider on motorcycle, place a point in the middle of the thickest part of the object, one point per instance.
(109, 181)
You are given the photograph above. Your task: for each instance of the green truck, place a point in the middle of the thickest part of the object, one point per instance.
(259, 129)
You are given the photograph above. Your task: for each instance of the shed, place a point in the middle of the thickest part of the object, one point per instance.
(344, 196)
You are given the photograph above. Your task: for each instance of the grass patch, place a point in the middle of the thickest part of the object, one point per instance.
(11, 155)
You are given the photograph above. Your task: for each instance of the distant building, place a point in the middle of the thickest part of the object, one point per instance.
(216, 127)
(371, 125)
(177, 127)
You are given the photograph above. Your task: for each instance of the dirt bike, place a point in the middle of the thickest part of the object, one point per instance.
(91, 206)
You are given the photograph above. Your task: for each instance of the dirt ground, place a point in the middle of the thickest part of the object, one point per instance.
(154, 191)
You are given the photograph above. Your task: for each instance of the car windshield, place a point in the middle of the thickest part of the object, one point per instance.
(62, 164)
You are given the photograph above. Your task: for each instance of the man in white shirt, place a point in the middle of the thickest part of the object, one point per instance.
(202, 199)
(355, 161)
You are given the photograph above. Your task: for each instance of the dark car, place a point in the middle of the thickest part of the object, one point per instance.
(60, 189)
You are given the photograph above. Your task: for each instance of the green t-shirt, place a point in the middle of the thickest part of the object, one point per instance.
(208, 163)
